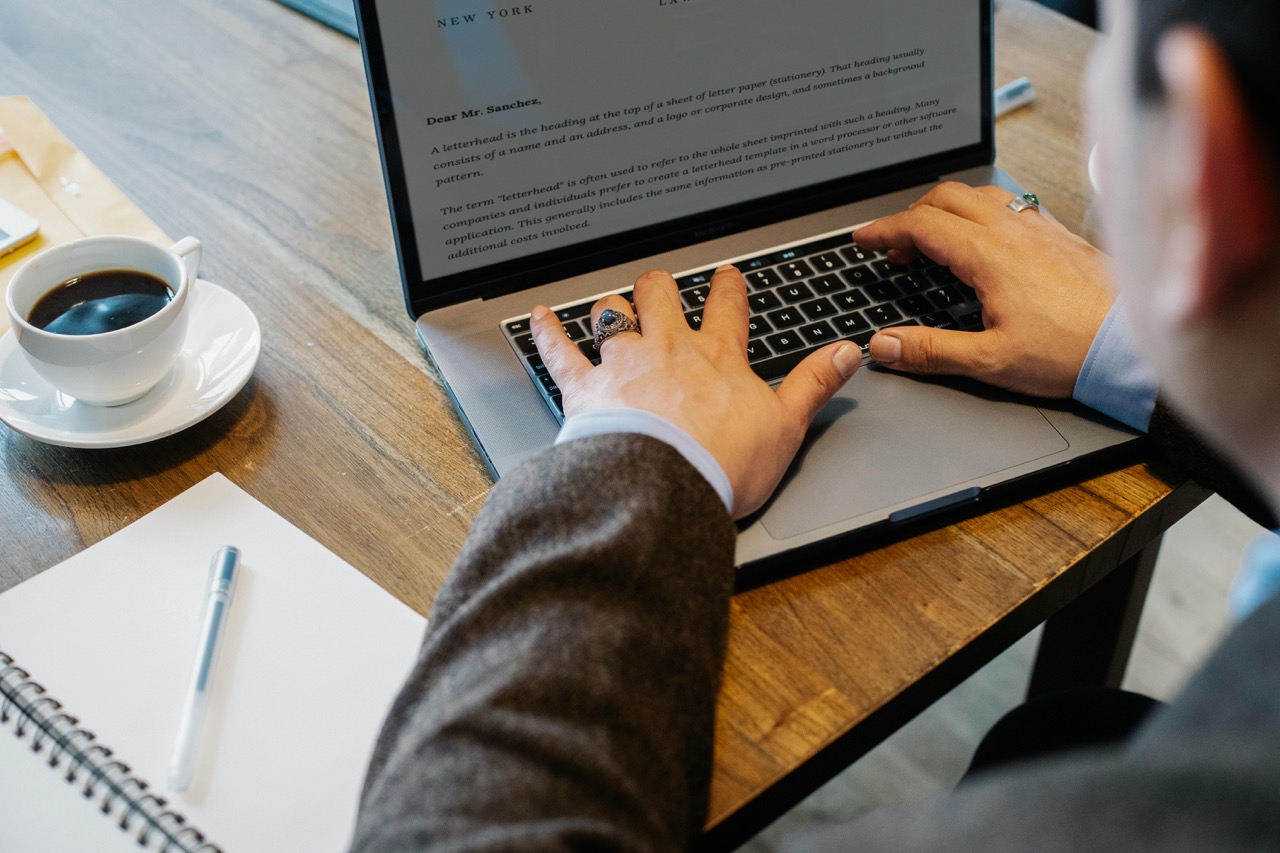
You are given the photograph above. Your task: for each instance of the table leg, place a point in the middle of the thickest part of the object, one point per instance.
(1087, 643)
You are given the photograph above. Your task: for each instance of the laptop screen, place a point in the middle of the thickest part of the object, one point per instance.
(521, 137)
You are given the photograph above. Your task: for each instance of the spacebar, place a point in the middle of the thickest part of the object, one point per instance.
(771, 369)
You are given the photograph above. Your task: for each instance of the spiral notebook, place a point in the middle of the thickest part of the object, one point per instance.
(95, 654)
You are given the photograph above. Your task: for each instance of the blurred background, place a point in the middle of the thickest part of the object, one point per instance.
(1084, 11)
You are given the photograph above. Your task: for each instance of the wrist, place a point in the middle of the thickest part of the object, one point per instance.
(628, 420)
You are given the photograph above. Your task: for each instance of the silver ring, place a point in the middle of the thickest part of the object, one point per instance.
(613, 323)
(1027, 201)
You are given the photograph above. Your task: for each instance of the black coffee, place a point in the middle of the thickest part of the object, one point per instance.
(100, 302)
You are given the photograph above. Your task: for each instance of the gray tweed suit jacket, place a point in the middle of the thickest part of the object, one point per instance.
(564, 698)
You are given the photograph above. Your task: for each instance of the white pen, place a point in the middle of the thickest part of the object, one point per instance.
(219, 589)
(1010, 96)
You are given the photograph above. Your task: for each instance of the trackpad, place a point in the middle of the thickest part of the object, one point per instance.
(888, 438)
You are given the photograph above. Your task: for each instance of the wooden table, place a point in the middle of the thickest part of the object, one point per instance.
(249, 126)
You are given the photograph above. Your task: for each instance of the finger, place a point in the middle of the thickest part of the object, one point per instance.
(564, 361)
(814, 381)
(725, 312)
(658, 304)
(616, 303)
(997, 194)
(972, 203)
(920, 349)
(943, 237)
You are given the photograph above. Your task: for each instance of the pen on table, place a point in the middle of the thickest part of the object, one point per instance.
(1010, 96)
(219, 589)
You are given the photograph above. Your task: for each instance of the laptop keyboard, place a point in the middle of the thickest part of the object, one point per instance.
(801, 298)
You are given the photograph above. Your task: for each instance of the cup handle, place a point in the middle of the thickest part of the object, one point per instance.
(188, 250)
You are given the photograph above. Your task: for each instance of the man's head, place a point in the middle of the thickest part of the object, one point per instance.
(1185, 110)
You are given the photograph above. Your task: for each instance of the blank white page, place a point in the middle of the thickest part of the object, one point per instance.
(313, 655)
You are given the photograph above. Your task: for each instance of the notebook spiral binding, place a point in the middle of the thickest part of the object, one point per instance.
(91, 767)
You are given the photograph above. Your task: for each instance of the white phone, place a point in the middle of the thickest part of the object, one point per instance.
(16, 228)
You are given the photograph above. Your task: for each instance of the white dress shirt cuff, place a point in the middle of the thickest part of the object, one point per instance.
(604, 421)
(1114, 379)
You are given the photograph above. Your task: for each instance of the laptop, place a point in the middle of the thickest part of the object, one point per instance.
(552, 151)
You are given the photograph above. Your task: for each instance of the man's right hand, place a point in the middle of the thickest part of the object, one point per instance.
(1044, 291)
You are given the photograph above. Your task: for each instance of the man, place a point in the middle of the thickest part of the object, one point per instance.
(565, 691)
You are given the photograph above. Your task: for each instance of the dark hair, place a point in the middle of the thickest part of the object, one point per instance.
(1248, 32)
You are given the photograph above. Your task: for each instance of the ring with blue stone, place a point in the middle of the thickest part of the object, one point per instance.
(613, 323)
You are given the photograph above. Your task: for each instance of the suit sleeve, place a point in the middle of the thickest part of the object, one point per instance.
(1181, 453)
(564, 695)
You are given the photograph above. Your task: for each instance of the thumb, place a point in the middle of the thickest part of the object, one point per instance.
(814, 381)
(920, 349)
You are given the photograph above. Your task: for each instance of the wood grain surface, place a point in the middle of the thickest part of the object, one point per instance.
(247, 125)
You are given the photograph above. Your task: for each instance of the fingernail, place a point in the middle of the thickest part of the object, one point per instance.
(726, 268)
(847, 360)
(539, 312)
(886, 349)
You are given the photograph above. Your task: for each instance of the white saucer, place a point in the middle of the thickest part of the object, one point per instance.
(217, 359)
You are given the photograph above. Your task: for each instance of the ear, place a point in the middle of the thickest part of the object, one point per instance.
(1227, 176)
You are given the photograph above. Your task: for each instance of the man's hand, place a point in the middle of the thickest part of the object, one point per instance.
(1044, 291)
(699, 380)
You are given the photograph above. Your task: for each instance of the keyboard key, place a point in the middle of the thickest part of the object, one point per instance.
(795, 270)
(694, 319)
(847, 324)
(578, 329)
(826, 262)
(942, 275)
(863, 339)
(588, 348)
(547, 383)
(859, 276)
(858, 255)
(536, 363)
(912, 283)
(824, 284)
(914, 306)
(786, 318)
(752, 264)
(883, 315)
(757, 326)
(695, 297)
(818, 333)
(766, 300)
(793, 293)
(526, 344)
(937, 319)
(785, 342)
(887, 270)
(696, 279)
(757, 350)
(763, 279)
(518, 327)
(557, 402)
(818, 309)
(772, 369)
(882, 291)
(947, 297)
(972, 320)
(851, 299)
(573, 311)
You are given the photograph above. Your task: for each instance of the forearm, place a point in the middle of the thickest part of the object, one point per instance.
(565, 692)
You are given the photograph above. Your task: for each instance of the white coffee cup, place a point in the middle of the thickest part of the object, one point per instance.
(109, 368)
